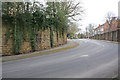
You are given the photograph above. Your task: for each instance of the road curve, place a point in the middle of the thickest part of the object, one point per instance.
(92, 59)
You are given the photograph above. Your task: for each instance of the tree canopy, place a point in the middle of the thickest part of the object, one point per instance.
(24, 19)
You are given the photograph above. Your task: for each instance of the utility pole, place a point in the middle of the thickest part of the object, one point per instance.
(86, 33)
(119, 9)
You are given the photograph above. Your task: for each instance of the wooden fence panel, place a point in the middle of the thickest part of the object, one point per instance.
(111, 36)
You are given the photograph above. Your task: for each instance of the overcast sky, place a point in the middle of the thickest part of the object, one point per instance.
(95, 11)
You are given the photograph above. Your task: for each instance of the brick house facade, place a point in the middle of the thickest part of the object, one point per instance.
(104, 28)
(99, 29)
(114, 24)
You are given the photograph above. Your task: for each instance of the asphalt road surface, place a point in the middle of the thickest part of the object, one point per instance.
(91, 59)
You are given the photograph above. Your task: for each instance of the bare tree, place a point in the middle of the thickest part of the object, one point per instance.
(73, 28)
(109, 17)
(73, 9)
(90, 29)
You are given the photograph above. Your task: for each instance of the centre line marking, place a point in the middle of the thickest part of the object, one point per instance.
(84, 56)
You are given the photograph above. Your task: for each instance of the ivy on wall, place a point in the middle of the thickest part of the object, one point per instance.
(25, 19)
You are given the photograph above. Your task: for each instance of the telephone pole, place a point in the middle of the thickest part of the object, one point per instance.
(119, 9)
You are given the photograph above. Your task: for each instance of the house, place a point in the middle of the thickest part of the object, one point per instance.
(114, 24)
(106, 26)
(99, 29)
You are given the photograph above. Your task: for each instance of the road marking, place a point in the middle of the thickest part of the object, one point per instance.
(84, 56)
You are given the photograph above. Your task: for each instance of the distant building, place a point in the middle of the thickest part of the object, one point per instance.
(106, 26)
(114, 24)
(99, 29)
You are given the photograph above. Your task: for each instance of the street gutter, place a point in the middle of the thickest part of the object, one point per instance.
(70, 44)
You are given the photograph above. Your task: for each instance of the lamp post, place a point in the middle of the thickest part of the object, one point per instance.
(119, 9)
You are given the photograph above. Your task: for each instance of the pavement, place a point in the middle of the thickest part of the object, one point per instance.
(91, 59)
(70, 44)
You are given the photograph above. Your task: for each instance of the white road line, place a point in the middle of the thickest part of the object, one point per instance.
(84, 56)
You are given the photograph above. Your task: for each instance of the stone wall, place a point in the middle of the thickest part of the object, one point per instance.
(42, 42)
(7, 48)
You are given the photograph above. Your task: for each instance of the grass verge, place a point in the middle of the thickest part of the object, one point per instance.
(38, 54)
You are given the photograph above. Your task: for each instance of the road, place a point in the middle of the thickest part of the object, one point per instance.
(91, 59)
